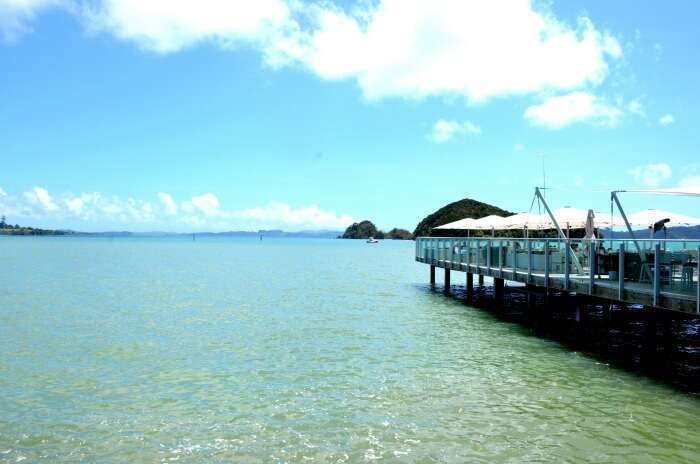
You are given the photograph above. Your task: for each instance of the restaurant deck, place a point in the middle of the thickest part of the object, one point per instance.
(617, 270)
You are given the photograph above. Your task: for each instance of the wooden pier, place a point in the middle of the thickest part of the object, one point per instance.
(656, 273)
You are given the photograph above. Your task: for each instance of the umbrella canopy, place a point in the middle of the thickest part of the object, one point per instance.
(530, 220)
(462, 224)
(648, 217)
(493, 221)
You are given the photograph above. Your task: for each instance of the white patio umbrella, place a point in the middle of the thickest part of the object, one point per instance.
(648, 217)
(530, 220)
(491, 222)
(462, 224)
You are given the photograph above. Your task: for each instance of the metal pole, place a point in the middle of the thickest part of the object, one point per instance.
(488, 256)
(613, 196)
(478, 252)
(566, 265)
(546, 263)
(469, 253)
(657, 274)
(591, 267)
(500, 258)
(621, 273)
(697, 291)
(529, 261)
(556, 224)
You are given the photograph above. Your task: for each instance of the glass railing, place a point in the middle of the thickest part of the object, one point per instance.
(647, 265)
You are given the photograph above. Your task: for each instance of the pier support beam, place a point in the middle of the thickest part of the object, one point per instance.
(432, 275)
(498, 285)
(447, 280)
(481, 280)
(470, 285)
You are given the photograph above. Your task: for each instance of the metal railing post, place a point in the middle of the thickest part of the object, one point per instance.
(621, 272)
(488, 256)
(546, 263)
(697, 291)
(657, 274)
(478, 252)
(566, 264)
(529, 261)
(591, 266)
(500, 258)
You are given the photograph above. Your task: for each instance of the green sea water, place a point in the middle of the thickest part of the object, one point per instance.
(236, 350)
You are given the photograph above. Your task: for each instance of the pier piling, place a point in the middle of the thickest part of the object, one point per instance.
(498, 285)
(447, 280)
(432, 275)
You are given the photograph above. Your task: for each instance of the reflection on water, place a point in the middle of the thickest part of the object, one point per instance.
(143, 350)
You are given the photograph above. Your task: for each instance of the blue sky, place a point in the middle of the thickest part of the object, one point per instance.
(219, 115)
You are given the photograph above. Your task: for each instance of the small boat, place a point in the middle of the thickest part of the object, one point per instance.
(372, 240)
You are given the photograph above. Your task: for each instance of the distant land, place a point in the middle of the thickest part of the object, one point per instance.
(7, 229)
(366, 229)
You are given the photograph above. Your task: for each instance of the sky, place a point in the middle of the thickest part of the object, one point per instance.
(217, 115)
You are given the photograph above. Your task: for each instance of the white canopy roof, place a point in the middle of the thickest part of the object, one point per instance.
(567, 217)
(573, 218)
(648, 217)
(462, 224)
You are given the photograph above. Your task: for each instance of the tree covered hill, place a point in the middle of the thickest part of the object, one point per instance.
(466, 208)
(366, 229)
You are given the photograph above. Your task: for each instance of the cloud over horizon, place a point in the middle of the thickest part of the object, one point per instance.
(201, 212)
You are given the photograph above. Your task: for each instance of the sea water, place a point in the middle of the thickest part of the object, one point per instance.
(294, 350)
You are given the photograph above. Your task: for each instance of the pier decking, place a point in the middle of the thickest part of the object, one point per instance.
(657, 273)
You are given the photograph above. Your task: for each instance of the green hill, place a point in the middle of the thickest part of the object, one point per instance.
(366, 229)
(466, 208)
(363, 229)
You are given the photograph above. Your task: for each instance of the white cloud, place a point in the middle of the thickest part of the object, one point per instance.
(690, 184)
(275, 213)
(666, 119)
(634, 107)
(41, 197)
(391, 48)
(75, 205)
(168, 203)
(415, 49)
(651, 175)
(445, 130)
(171, 25)
(201, 212)
(519, 147)
(2, 192)
(16, 15)
(206, 204)
(560, 111)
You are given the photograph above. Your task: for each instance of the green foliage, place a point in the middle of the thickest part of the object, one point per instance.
(399, 234)
(364, 229)
(9, 229)
(466, 208)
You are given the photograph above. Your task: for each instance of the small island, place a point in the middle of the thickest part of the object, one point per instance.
(366, 229)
